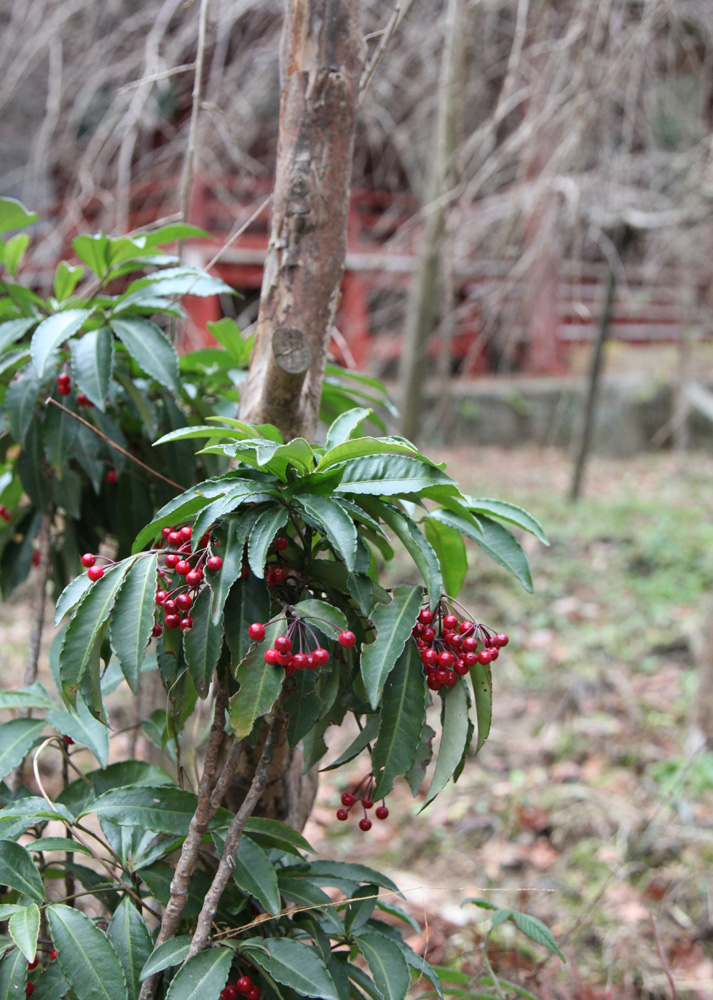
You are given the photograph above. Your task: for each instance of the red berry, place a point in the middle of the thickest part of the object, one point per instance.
(485, 656)
(244, 570)
(244, 984)
(342, 814)
(172, 560)
(450, 680)
(165, 532)
(382, 812)
(83, 400)
(347, 639)
(4, 513)
(450, 621)
(283, 644)
(170, 605)
(186, 623)
(433, 682)
(461, 667)
(214, 563)
(204, 540)
(272, 657)
(174, 538)
(68, 741)
(470, 659)
(455, 641)
(33, 963)
(367, 801)
(256, 631)
(442, 674)
(53, 955)
(289, 670)
(429, 657)
(161, 596)
(36, 557)
(88, 559)
(254, 994)
(63, 388)
(95, 573)
(172, 621)
(182, 567)
(494, 653)
(184, 602)
(285, 660)
(300, 661)
(348, 798)
(446, 659)
(365, 824)
(193, 576)
(29, 989)
(320, 657)
(465, 627)
(111, 476)
(501, 639)
(278, 575)
(425, 617)
(428, 634)
(157, 630)
(470, 644)
(186, 533)
(63, 378)
(281, 543)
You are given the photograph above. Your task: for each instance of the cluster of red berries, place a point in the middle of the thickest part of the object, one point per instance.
(244, 987)
(362, 793)
(308, 655)
(30, 988)
(4, 512)
(275, 575)
(450, 646)
(64, 388)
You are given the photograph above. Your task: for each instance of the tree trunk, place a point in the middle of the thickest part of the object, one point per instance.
(321, 61)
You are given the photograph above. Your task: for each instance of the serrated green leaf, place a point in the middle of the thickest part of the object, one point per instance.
(232, 539)
(86, 626)
(344, 426)
(449, 547)
(254, 874)
(202, 644)
(482, 681)
(204, 975)
(33, 696)
(60, 431)
(454, 736)
(333, 522)
(18, 870)
(71, 596)
(508, 512)
(133, 617)
(150, 349)
(393, 623)
(403, 713)
(13, 975)
(171, 952)
(14, 252)
(247, 602)
(270, 833)
(92, 358)
(417, 547)
(66, 278)
(132, 943)
(14, 215)
(161, 808)
(52, 332)
(86, 956)
(293, 964)
(21, 402)
(536, 931)
(57, 844)
(386, 964)
(94, 251)
(13, 330)
(24, 928)
(260, 685)
(367, 735)
(495, 540)
(360, 907)
(363, 447)
(83, 728)
(263, 534)
(392, 476)
(314, 610)
(17, 737)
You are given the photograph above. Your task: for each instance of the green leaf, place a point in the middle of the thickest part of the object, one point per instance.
(313, 609)
(13, 975)
(202, 644)
(57, 844)
(336, 872)
(21, 402)
(260, 684)
(86, 626)
(386, 964)
(495, 540)
(71, 596)
(302, 892)
(263, 534)
(133, 617)
(33, 696)
(52, 332)
(247, 602)
(394, 623)
(66, 278)
(391, 476)
(173, 232)
(345, 425)
(179, 509)
(162, 808)
(254, 874)
(13, 329)
(367, 735)
(232, 541)
(132, 943)
(59, 435)
(17, 737)
(417, 547)
(87, 958)
(334, 523)
(203, 976)
(83, 728)
(363, 447)
(270, 833)
(303, 706)
(24, 813)
(482, 681)
(18, 870)
(454, 736)
(150, 349)
(51, 984)
(92, 358)
(7, 909)
(14, 215)
(424, 755)
(94, 251)
(24, 929)
(293, 964)
(403, 713)
(508, 512)
(536, 931)
(360, 907)
(171, 952)
(449, 547)
(14, 252)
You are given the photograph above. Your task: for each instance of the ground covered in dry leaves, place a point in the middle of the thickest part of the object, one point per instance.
(590, 806)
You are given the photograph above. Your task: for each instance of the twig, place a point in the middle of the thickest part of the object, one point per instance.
(232, 840)
(113, 444)
(662, 958)
(398, 14)
(189, 159)
(155, 77)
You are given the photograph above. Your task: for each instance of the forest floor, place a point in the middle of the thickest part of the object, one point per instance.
(591, 805)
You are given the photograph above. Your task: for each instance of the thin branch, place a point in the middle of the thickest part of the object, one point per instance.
(232, 840)
(662, 958)
(197, 96)
(401, 8)
(154, 77)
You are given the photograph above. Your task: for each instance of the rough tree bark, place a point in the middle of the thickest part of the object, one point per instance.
(321, 61)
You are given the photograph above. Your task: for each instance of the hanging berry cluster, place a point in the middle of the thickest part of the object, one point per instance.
(362, 793)
(298, 648)
(243, 987)
(450, 645)
(174, 601)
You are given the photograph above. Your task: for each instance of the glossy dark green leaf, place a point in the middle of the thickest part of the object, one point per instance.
(454, 738)
(403, 713)
(248, 602)
(303, 706)
(255, 875)
(482, 681)
(162, 808)
(263, 534)
(92, 359)
(60, 431)
(495, 540)
(14, 215)
(84, 729)
(508, 512)
(386, 475)
(132, 943)
(364, 447)
(417, 547)
(344, 426)
(57, 844)
(13, 330)
(536, 931)
(133, 617)
(86, 956)
(367, 735)
(33, 696)
(171, 952)
(424, 756)
(18, 870)
(360, 907)
(203, 976)
(52, 332)
(94, 251)
(17, 737)
(260, 684)
(202, 644)
(302, 892)
(449, 547)
(71, 596)
(66, 278)
(51, 984)
(232, 538)
(24, 928)
(13, 975)
(386, 964)
(21, 402)
(333, 522)
(270, 833)
(150, 349)
(336, 872)
(321, 615)
(293, 964)
(394, 623)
